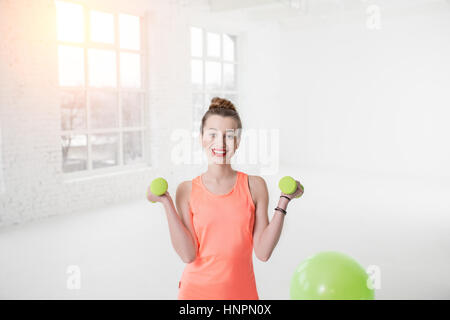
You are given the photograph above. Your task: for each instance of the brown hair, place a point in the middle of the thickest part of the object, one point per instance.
(224, 108)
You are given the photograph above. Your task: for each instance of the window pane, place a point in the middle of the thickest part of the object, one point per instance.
(71, 66)
(196, 42)
(229, 47)
(103, 109)
(213, 75)
(233, 98)
(132, 109)
(197, 74)
(198, 106)
(102, 27)
(213, 40)
(70, 23)
(74, 153)
(105, 150)
(198, 100)
(229, 76)
(102, 68)
(209, 96)
(132, 147)
(130, 70)
(73, 110)
(130, 33)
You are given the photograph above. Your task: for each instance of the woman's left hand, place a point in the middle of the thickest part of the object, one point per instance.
(297, 193)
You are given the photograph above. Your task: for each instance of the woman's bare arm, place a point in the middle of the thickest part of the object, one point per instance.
(265, 234)
(181, 233)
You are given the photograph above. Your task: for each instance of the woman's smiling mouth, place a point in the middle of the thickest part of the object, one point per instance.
(219, 152)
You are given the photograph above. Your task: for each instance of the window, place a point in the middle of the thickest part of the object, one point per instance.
(102, 100)
(213, 69)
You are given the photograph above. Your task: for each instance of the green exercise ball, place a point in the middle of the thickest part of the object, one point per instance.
(330, 275)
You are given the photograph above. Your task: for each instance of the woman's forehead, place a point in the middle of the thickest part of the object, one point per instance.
(216, 121)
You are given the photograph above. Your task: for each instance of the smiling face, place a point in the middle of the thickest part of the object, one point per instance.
(220, 139)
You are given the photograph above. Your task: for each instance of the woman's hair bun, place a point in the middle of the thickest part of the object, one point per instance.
(217, 102)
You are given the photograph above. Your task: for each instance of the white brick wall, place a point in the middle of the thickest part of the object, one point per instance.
(35, 186)
(30, 118)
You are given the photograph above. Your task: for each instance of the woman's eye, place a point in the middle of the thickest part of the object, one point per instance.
(229, 136)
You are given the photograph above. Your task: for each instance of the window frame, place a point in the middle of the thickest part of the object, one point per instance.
(238, 57)
(118, 89)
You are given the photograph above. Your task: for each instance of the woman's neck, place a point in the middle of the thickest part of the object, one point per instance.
(219, 171)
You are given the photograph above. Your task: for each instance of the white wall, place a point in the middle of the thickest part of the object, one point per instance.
(2, 181)
(261, 98)
(368, 100)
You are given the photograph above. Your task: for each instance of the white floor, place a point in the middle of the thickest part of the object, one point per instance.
(124, 252)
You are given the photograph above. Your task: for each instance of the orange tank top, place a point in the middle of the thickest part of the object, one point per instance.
(223, 224)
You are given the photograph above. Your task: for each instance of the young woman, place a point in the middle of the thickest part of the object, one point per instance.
(221, 216)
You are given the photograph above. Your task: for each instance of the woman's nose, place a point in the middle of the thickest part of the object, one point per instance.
(221, 141)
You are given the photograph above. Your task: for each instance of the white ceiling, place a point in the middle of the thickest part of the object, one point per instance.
(224, 5)
(260, 9)
(283, 10)
(317, 6)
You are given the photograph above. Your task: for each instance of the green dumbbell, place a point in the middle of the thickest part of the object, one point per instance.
(158, 187)
(288, 185)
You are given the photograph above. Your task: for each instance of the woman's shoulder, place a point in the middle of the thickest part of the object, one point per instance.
(256, 180)
(257, 186)
(184, 188)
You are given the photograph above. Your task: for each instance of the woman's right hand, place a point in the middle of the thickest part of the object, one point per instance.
(161, 198)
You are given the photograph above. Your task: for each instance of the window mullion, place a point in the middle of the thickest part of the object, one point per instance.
(144, 75)
(221, 66)
(204, 52)
(86, 85)
(118, 81)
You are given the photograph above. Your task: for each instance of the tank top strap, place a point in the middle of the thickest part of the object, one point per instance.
(244, 188)
(195, 181)
(195, 191)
